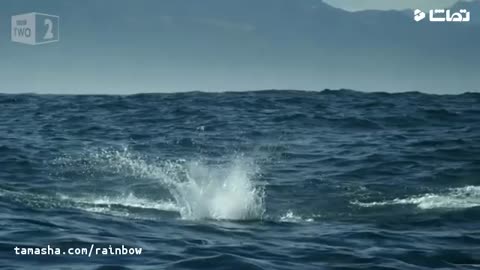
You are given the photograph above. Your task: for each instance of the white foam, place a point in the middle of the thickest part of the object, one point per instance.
(130, 200)
(455, 198)
(291, 217)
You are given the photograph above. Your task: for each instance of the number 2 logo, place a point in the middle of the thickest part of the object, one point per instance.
(49, 33)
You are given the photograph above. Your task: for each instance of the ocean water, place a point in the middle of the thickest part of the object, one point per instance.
(251, 180)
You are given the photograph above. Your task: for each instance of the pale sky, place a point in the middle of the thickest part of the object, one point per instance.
(125, 47)
(355, 5)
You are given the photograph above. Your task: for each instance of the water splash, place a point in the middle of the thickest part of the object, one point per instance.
(219, 192)
(199, 190)
(455, 198)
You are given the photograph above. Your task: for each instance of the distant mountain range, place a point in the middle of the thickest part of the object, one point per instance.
(225, 44)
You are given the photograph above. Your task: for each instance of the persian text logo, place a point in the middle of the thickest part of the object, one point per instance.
(442, 15)
(35, 28)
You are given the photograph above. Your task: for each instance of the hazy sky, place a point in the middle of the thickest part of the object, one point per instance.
(354, 5)
(132, 46)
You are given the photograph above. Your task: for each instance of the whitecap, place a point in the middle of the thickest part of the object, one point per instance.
(291, 217)
(454, 198)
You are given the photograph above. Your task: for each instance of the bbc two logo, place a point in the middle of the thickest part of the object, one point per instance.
(35, 28)
(442, 15)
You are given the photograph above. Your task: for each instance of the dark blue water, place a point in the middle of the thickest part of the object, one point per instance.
(253, 180)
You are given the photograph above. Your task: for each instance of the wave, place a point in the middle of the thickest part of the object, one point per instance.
(110, 205)
(455, 198)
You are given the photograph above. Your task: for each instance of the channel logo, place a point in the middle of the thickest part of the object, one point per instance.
(442, 15)
(35, 28)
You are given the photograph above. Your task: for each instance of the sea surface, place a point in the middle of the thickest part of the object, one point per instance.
(250, 180)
